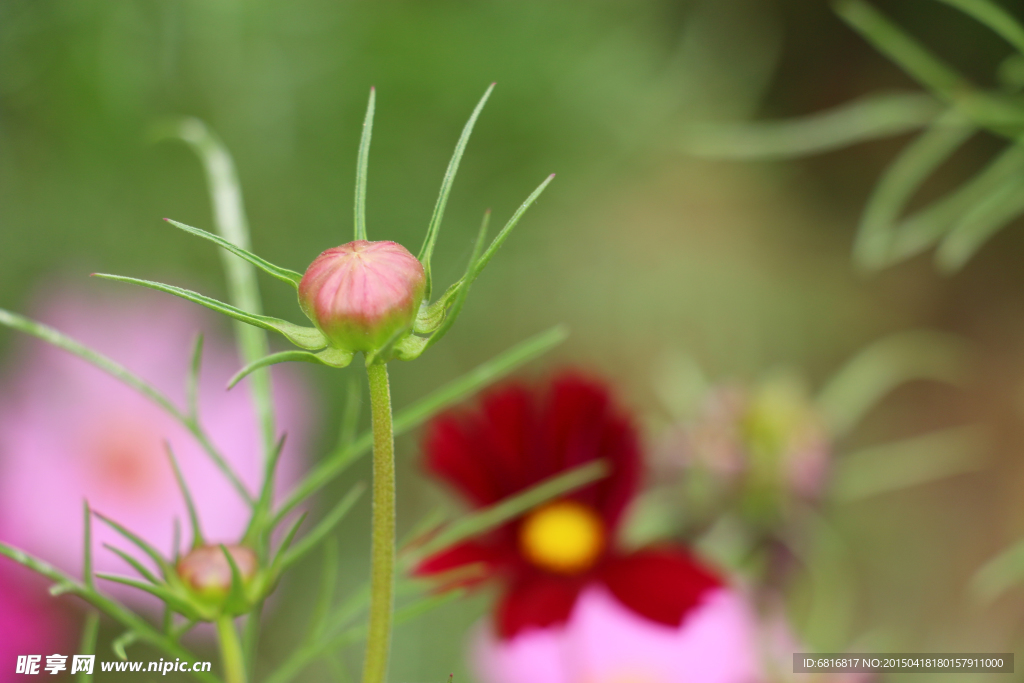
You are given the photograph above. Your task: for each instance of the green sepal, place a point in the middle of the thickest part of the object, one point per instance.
(303, 337)
(432, 315)
(410, 348)
(282, 274)
(335, 358)
(237, 602)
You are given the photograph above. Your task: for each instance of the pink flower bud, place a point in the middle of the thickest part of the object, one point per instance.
(206, 571)
(362, 293)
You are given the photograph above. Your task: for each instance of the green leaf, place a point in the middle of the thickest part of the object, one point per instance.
(488, 518)
(1000, 574)
(87, 645)
(87, 545)
(427, 251)
(335, 358)
(461, 287)
(107, 605)
(869, 118)
(123, 641)
(304, 337)
(193, 517)
(159, 591)
(981, 222)
(993, 112)
(328, 577)
(906, 52)
(909, 462)
(236, 602)
(420, 411)
(881, 367)
(993, 16)
(145, 547)
(478, 264)
(286, 543)
(118, 372)
(350, 415)
(192, 380)
(320, 531)
(135, 564)
(362, 163)
(924, 228)
(900, 181)
(282, 274)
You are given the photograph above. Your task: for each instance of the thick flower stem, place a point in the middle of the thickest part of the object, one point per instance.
(382, 557)
(230, 650)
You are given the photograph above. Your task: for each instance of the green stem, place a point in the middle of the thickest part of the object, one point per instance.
(382, 554)
(230, 650)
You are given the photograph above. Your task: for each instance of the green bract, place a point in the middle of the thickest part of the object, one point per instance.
(432, 319)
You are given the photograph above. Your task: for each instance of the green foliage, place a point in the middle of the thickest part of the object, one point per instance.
(951, 112)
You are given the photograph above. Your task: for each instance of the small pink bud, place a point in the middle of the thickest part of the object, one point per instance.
(362, 293)
(206, 571)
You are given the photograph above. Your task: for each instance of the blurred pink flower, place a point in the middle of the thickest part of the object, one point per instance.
(70, 432)
(605, 642)
(30, 621)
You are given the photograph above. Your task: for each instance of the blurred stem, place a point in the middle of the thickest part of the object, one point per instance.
(251, 638)
(230, 650)
(382, 554)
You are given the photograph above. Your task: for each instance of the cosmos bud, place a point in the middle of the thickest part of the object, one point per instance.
(361, 293)
(205, 570)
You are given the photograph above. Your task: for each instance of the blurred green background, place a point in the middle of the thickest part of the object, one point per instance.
(641, 250)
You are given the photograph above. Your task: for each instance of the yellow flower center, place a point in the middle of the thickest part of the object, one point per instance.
(565, 537)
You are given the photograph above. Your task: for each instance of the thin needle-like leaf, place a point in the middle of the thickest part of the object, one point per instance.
(282, 274)
(909, 462)
(107, 605)
(328, 578)
(999, 574)
(157, 590)
(192, 381)
(869, 118)
(139, 542)
(922, 229)
(362, 164)
(320, 531)
(926, 68)
(87, 575)
(193, 516)
(135, 564)
(287, 542)
(883, 366)
(900, 181)
(303, 337)
(488, 518)
(236, 600)
(61, 341)
(980, 223)
(993, 16)
(427, 251)
(422, 410)
(350, 414)
(480, 263)
(87, 646)
(124, 640)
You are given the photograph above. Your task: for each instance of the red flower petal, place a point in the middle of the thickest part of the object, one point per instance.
(458, 556)
(536, 601)
(582, 425)
(660, 584)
